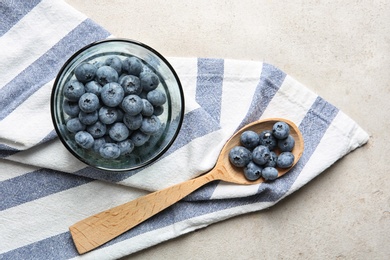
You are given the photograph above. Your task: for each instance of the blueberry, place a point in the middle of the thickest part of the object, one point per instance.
(249, 139)
(84, 139)
(108, 115)
(261, 154)
(114, 62)
(156, 97)
(252, 171)
(272, 160)
(97, 130)
(280, 130)
(88, 118)
(133, 122)
(150, 125)
(269, 173)
(285, 160)
(85, 72)
(88, 102)
(147, 109)
(126, 146)
(267, 139)
(93, 87)
(287, 144)
(73, 90)
(131, 84)
(132, 66)
(149, 81)
(71, 108)
(110, 151)
(74, 125)
(98, 143)
(240, 156)
(119, 132)
(132, 104)
(158, 110)
(112, 94)
(106, 74)
(139, 138)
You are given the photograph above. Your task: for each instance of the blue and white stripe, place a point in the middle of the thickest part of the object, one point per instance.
(41, 195)
(13, 11)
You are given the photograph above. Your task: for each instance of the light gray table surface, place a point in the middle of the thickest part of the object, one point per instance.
(340, 50)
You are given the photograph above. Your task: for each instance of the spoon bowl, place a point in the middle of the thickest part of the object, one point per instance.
(235, 174)
(102, 227)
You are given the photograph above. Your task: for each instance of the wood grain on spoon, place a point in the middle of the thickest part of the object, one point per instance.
(100, 228)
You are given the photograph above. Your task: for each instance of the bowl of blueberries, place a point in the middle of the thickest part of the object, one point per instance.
(117, 105)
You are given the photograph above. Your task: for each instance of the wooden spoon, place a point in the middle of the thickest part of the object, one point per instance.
(98, 229)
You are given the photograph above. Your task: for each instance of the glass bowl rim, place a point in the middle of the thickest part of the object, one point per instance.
(154, 52)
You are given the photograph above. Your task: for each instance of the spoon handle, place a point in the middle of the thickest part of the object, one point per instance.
(102, 227)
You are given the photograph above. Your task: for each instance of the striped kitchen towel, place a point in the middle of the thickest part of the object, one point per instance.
(44, 189)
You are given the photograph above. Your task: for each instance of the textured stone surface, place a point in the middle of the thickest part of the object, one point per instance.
(339, 49)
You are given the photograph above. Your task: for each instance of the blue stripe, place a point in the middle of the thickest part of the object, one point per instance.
(209, 86)
(90, 172)
(11, 12)
(6, 151)
(57, 247)
(35, 185)
(270, 81)
(47, 66)
(196, 123)
(203, 193)
(49, 137)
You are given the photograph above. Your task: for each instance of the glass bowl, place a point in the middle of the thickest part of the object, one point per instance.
(169, 114)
